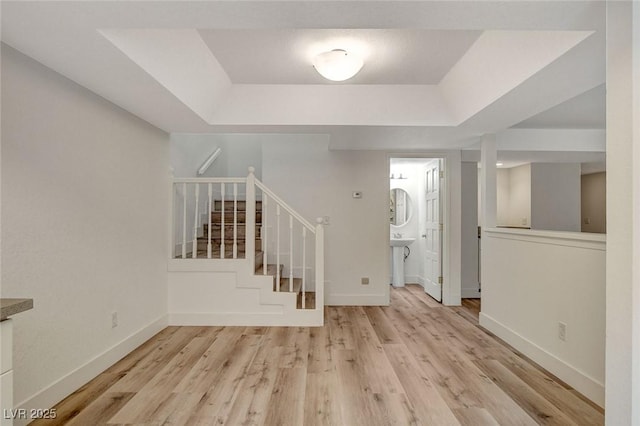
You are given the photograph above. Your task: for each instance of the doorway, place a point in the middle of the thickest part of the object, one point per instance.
(417, 222)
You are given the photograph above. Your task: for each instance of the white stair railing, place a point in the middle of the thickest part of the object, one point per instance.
(302, 236)
(194, 197)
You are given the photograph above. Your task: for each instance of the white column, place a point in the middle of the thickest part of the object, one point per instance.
(488, 200)
(488, 158)
(622, 399)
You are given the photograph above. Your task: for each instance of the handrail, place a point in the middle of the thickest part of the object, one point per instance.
(209, 161)
(210, 180)
(285, 206)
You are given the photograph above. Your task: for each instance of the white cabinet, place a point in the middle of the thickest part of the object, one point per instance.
(6, 372)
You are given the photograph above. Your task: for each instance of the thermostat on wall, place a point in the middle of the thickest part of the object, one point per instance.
(357, 194)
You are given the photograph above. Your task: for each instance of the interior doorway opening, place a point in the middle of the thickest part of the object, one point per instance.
(417, 222)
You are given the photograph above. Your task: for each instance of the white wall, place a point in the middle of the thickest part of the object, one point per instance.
(503, 193)
(532, 280)
(520, 204)
(593, 202)
(555, 196)
(513, 192)
(238, 152)
(84, 218)
(318, 182)
(469, 250)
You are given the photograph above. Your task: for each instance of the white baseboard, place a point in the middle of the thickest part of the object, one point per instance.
(586, 385)
(412, 279)
(470, 293)
(73, 381)
(343, 299)
(308, 318)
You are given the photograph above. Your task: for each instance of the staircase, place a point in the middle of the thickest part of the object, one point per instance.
(227, 245)
(218, 230)
(237, 235)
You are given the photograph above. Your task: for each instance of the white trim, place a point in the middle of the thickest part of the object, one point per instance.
(202, 264)
(210, 180)
(298, 318)
(569, 239)
(588, 386)
(77, 378)
(413, 279)
(346, 299)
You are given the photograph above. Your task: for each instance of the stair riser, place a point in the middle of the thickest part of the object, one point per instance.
(215, 254)
(216, 217)
(216, 231)
(202, 245)
(228, 205)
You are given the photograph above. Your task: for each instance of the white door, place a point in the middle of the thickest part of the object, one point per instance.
(433, 231)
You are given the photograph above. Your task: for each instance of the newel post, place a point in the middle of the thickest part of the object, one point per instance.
(250, 223)
(319, 264)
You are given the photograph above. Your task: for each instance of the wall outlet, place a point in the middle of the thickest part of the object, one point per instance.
(587, 221)
(562, 331)
(114, 319)
(524, 221)
(364, 281)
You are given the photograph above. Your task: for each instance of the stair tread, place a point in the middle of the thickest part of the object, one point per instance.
(271, 270)
(310, 300)
(284, 285)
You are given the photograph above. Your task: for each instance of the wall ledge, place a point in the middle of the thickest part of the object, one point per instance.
(570, 239)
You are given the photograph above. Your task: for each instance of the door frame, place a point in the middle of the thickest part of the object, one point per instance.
(451, 212)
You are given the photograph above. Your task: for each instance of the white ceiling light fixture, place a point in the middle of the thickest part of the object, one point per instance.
(337, 64)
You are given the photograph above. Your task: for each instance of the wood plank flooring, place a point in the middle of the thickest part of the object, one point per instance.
(414, 362)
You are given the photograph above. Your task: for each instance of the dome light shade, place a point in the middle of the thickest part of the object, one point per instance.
(337, 65)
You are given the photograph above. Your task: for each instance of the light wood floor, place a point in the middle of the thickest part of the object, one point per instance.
(412, 363)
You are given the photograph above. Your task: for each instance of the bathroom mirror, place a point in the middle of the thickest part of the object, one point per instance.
(399, 207)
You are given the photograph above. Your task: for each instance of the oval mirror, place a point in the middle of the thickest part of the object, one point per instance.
(399, 207)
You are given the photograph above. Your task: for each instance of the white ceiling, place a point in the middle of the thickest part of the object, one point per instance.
(437, 74)
(284, 56)
(585, 111)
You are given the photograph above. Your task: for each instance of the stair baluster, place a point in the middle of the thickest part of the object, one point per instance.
(290, 253)
(184, 221)
(235, 220)
(194, 249)
(210, 191)
(304, 266)
(263, 233)
(278, 247)
(222, 222)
